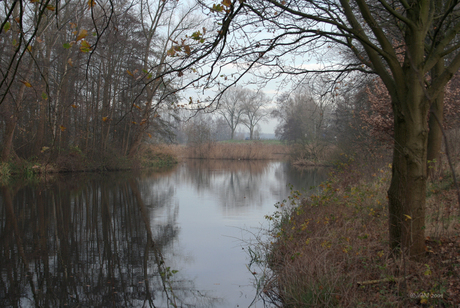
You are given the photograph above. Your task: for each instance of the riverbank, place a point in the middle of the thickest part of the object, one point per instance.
(74, 160)
(331, 249)
(164, 155)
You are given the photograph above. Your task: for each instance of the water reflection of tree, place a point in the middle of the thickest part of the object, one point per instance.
(300, 179)
(248, 183)
(91, 246)
(237, 183)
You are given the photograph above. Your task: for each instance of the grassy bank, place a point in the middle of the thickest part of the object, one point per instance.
(331, 249)
(243, 150)
(74, 160)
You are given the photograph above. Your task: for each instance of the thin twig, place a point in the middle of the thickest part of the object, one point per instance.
(368, 282)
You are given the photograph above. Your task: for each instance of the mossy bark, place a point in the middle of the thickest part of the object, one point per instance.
(407, 190)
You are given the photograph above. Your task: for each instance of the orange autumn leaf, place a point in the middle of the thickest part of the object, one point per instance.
(63, 128)
(227, 3)
(26, 83)
(82, 34)
(85, 47)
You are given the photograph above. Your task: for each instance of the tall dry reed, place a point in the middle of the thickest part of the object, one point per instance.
(235, 151)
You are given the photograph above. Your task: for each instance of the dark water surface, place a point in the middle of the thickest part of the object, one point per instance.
(156, 239)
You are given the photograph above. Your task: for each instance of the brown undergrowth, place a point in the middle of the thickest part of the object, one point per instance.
(331, 249)
(312, 154)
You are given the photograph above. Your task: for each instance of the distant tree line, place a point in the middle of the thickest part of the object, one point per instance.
(237, 108)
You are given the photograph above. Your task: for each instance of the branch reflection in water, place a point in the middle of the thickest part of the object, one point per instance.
(117, 239)
(88, 242)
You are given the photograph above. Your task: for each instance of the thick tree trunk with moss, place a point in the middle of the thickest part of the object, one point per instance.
(409, 173)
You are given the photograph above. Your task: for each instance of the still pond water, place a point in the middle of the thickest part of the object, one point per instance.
(140, 240)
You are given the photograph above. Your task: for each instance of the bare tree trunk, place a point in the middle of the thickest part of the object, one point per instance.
(435, 133)
(142, 127)
(10, 126)
(11, 118)
(40, 137)
(126, 134)
(408, 182)
(106, 98)
(136, 141)
(64, 136)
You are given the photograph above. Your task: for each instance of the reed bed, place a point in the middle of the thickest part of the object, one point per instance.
(234, 151)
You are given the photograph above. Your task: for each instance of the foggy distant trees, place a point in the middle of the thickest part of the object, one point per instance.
(231, 107)
(243, 106)
(198, 130)
(203, 128)
(302, 118)
(254, 111)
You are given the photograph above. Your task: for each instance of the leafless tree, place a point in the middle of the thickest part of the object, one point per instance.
(255, 110)
(427, 35)
(231, 107)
